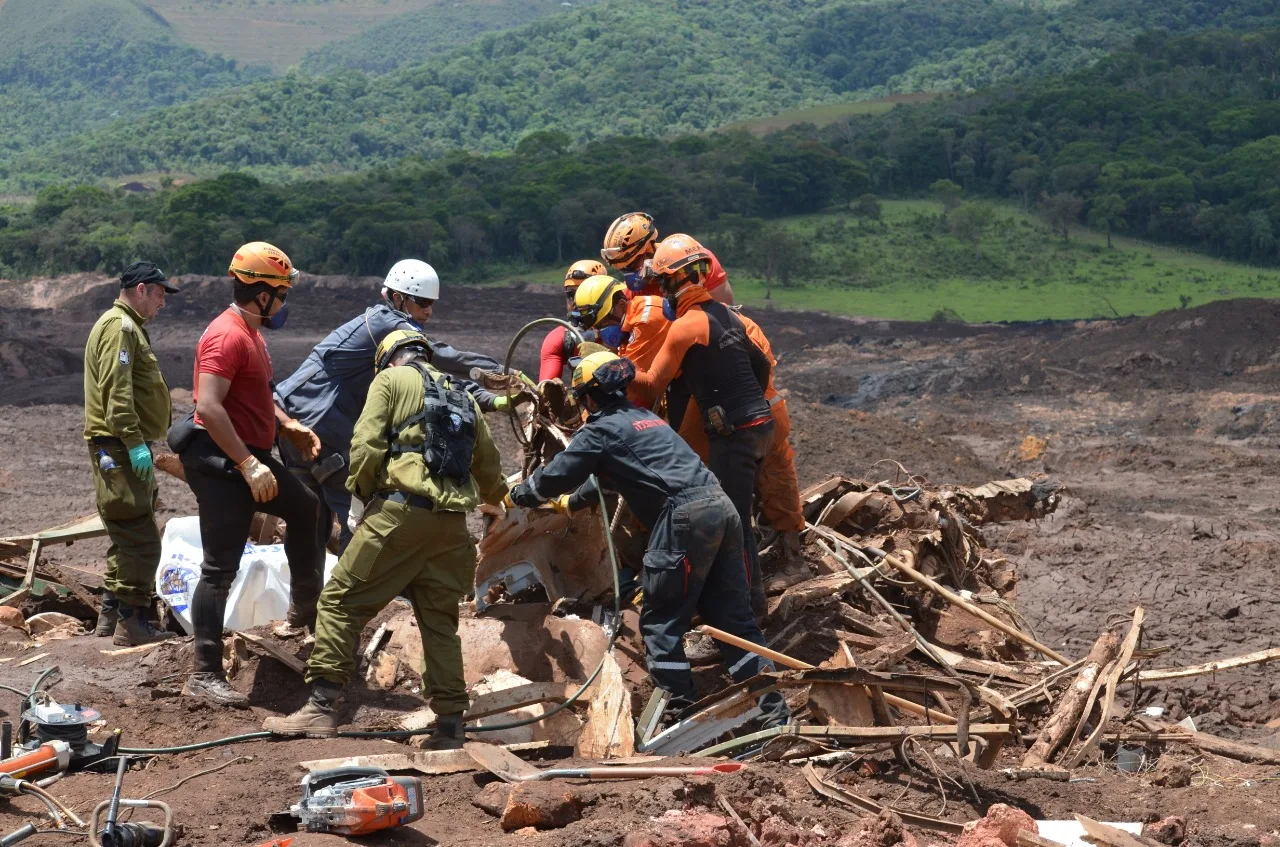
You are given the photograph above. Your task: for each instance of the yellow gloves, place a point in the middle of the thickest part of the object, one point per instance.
(262, 482)
(559, 504)
(507, 502)
(302, 438)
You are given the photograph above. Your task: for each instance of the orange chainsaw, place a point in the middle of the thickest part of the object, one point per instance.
(357, 801)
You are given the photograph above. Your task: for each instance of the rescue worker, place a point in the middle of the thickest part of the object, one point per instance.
(777, 488)
(707, 356)
(327, 391)
(229, 466)
(555, 353)
(421, 457)
(600, 305)
(694, 560)
(126, 405)
(629, 244)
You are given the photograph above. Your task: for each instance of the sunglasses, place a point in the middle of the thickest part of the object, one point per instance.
(421, 302)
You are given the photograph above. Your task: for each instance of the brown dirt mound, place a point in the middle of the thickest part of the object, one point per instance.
(22, 359)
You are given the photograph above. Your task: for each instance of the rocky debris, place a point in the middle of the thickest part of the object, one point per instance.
(681, 828)
(1171, 830)
(882, 830)
(11, 617)
(541, 805)
(1172, 773)
(998, 828)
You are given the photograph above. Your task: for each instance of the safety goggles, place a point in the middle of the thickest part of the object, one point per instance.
(421, 302)
(287, 279)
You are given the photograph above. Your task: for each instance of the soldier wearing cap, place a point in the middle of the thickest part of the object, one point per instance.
(126, 406)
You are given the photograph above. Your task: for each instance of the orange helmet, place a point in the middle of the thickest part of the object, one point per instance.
(627, 238)
(580, 270)
(259, 261)
(677, 252)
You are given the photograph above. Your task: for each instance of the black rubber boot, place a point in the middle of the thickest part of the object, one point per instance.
(108, 616)
(316, 719)
(133, 629)
(209, 682)
(448, 735)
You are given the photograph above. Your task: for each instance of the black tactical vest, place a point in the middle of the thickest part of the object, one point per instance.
(449, 419)
(725, 373)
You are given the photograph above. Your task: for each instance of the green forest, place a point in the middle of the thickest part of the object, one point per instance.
(662, 69)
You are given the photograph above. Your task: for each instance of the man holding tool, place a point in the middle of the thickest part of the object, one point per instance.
(694, 561)
(421, 457)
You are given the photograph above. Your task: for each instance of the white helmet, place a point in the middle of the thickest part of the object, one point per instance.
(413, 277)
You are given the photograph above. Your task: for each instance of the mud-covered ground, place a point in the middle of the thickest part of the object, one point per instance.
(1164, 430)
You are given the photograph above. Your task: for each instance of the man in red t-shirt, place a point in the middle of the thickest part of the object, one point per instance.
(230, 468)
(554, 357)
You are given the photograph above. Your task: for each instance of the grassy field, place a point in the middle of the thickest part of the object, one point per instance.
(276, 32)
(828, 114)
(906, 267)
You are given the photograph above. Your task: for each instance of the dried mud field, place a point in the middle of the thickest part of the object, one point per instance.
(1163, 430)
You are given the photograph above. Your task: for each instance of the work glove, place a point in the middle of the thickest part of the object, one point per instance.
(301, 437)
(355, 514)
(143, 464)
(262, 482)
(507, 502)
(560, 505)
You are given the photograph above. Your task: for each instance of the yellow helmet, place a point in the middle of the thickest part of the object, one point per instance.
(259, 261)
(628, 238)
(582, 270)
(595, 298)
(396, 341)
(584, 375)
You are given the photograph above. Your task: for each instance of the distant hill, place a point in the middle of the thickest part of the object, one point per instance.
(279, 33)
(659, 68)
(70, 65)
(412, 38)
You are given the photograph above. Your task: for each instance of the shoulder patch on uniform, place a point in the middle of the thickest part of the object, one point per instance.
(126, 323)
(123, 357)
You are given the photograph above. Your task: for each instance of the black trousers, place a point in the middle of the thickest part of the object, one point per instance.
(335, 499)
(695, 563)
(735, 460)
(226, 512)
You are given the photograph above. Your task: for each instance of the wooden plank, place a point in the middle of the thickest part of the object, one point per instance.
(35, 658)
(866, 804)
(608, 732)
(434, 762)
(1111, 680)
(1208, 667)
(1066, 717)
(279, 654)
(1238, 750)
(841, 704)
(1100, 833)
(1029, 839)
(981, 666)
(521, 696)
(129, 651)
(71, 585)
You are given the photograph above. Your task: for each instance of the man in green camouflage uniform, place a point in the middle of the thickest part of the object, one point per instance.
(126, 405)
(420, 463)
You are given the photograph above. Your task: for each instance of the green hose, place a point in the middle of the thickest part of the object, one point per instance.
(408, 733)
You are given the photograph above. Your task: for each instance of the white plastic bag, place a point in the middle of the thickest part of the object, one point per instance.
(259, 593)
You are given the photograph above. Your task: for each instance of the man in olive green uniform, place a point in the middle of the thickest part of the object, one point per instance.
(421, 458)
(126, 405)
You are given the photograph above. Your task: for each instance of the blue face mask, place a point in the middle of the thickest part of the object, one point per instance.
(612, 336)
(669, 308)
(277, 320)
(634, 281)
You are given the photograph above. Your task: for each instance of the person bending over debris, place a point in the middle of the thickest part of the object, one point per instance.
(327, 391)
(707, 357)
(422, 457)
(694, 561)
(126, 405)
(228, 463)
(555, 352)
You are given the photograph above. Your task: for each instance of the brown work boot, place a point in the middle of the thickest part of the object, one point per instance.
(108, 616)
(214, 689)
(449, 733)
(311, 721)
(134, 630)
(795, 569)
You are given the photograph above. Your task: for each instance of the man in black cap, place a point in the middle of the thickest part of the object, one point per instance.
(126, 406)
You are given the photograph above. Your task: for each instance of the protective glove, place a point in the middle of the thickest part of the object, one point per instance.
(355, 514)
(302, 438)
(501, 403)
(143, 464)
(507, 502)
(262, 482)
(560, 505)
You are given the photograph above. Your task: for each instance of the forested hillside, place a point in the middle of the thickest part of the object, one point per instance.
(1175, 140)
(412, 38)
(660, 68)
(73, 64)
